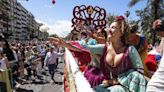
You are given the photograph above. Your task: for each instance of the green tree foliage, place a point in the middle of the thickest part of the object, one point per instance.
(152, 11)
(54, 35)
(4, 14)
(110, 18)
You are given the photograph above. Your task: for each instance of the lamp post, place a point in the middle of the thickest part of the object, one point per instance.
(127, 13)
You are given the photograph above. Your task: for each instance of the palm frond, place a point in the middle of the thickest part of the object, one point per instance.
(110, 18)
(133, 2)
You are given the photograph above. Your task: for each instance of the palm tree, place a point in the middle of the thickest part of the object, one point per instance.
(31, 32)
(133, 2)
(149, 13)
(110, 18)
(1, 5)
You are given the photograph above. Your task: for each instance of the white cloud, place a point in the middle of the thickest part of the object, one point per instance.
(40, 21)
(48, 6)
(61, 28)
(44, 28)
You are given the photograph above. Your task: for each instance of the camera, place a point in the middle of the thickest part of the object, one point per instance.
(161, 27)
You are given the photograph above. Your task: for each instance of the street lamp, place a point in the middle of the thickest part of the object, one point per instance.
(127, 13)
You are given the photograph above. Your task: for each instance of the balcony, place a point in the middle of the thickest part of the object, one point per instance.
(23, 18)
(18, 6)
(17, 18)
(18, 31)
(6, 2)
(23, 23)
(24, 11)
(23, 15)
(18, 27)
(18, 22)
(7, 7)
(17, 13)
(6, 25)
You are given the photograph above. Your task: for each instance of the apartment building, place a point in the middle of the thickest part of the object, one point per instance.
(21, 23)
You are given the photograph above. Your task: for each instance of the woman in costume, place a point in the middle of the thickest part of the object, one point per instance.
(120, 64)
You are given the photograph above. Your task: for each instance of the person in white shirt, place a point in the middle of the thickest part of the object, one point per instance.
(51, 62)
(42, 54)
(3, 67)
(3, 62)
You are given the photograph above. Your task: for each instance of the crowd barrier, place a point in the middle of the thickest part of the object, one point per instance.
(78, 82)
(4, 78)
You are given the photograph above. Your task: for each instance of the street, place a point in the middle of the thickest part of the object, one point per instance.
(42, 84)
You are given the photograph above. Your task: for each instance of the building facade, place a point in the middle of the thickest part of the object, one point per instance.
(19, 23)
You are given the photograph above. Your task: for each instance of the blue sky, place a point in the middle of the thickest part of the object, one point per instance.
(58, 16)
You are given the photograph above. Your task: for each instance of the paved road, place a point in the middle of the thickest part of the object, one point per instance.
(42, 84)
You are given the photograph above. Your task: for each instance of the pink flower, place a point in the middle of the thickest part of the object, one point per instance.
(119, 18)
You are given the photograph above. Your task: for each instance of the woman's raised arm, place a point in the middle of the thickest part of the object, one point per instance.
(60, 42)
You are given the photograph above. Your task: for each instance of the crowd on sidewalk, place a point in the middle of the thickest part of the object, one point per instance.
(22, 62)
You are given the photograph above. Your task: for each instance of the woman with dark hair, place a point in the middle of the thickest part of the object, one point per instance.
(7, 50)
(102, 33)
(120, 64)
(140, 43)
(93, 73)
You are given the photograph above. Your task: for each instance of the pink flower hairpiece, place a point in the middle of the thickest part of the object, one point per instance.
(120, 18)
